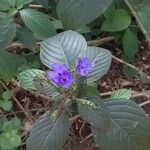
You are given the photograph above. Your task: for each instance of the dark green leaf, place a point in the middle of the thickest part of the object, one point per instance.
(49, 132)
(9, 69)
(26, 37)
(94, 113)
(7, 30)
(130, 44)
(129, 127)
(129, 72)
(38, 23)
(118, 21)
(73, 14)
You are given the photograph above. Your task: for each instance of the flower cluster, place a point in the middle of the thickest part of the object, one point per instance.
(61, 76)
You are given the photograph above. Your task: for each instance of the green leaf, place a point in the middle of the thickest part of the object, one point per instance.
(38, 23)
(9, 69)
(94, 113)
(130, 44)
(26, 78)
(121, 93)
(6, 96)
(46, 88)
(118, 21)
(100, 59)
(73, 14)
(129, 72)
(6, 105)
(62, 48)
(26, 37)
(7, 4)
(129, 127)
(7, 30)
(15, 140)
(49, 132)
(13, 124)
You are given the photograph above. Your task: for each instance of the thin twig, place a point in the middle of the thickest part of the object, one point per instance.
(129, 65)
(134, 94)
(86, 138)
(145, 103)
(137, 20)
(15, 99)
(100, 41)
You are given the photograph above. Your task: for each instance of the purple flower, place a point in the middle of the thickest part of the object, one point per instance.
(83, 66)
(60, 75)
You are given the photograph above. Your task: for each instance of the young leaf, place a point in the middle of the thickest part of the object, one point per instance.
(118, 21)
(49, 132)
(100, 59)
(121, 93)
(26, 77)
(129, 72)
(94, 113)
(7, 4)
(129, 127)
(6, 105)
(7, 30)
(9, 69)
(62, 48)
(26, 37)
(130, 44)
(73, 14)
(38, 23)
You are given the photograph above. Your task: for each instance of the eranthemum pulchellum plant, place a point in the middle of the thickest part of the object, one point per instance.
(116, 123)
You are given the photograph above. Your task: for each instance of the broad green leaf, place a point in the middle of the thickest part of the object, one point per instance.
(130, 44)
(7, 4)
(129, 127)
(38, 23)
(142, 9)
(49, 132)
(100, 59)
(94, 113)
(118, 21)
(9, 69)
(121, 93)
(26, 77)
(46, 88)
(7, 30)
(77, 13)
(26, 37)
(62, 48)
